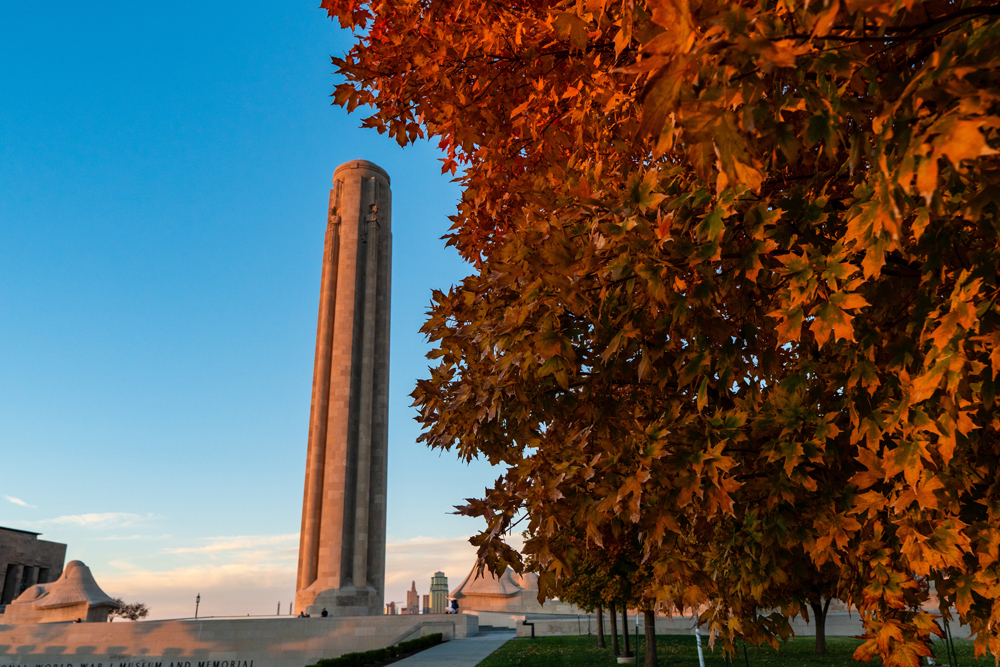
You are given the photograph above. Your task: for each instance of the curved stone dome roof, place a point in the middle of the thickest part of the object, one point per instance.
(76, 585)
(507, 585)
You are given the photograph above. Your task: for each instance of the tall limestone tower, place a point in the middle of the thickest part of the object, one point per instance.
(342, 547)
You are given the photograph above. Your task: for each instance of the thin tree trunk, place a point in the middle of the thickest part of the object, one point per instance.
(614, 630)
(649, 616)
(600, 628)
(819, 613)
(625, 630)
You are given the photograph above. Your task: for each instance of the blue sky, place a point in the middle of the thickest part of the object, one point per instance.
(164, 175)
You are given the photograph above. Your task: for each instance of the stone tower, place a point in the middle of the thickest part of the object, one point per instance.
(342, 547)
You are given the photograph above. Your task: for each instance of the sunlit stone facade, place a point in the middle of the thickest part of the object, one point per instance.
(342, 545)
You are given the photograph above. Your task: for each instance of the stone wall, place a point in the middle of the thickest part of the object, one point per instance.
(19, 614)
(269, 642)
(524, 602)
(511, 619)
(837, 625)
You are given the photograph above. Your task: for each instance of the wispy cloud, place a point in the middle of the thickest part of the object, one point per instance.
(252, 574)
(122, 564)
(426, 544)
(226, 589)
(237, 575)
(98, 520)
(238, 543)
(17, 501)
(417, 559)
(116, 538)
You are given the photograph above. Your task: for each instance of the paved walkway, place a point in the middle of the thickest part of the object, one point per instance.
(458, 652)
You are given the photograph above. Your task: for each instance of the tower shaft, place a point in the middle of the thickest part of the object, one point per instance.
(342, 545)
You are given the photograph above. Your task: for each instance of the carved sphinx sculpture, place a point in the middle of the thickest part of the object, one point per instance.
(73, 596)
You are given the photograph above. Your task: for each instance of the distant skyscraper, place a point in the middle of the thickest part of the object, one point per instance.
(412, 599)
(439, 593)
(427, 604)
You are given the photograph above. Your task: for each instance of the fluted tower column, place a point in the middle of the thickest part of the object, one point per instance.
(342, 546)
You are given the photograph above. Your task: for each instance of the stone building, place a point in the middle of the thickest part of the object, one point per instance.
(26, 561)
(427, 604)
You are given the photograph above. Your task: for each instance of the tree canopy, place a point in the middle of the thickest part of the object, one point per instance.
(132, 611)
(735, 289)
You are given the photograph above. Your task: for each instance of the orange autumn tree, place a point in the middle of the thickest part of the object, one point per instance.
(735, 289)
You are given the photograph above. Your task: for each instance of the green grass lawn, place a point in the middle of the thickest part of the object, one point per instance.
(680, 651)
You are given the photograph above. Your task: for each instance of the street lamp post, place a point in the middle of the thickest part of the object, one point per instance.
(197, 601)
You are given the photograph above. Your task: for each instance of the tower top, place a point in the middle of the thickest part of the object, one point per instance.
(361, 164)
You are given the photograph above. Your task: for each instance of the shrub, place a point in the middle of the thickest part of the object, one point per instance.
(363, 658)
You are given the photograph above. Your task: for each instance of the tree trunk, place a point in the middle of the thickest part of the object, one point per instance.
(600, 628)
(649, 616)
(614, 630)
(625, 630)
(819, 614)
